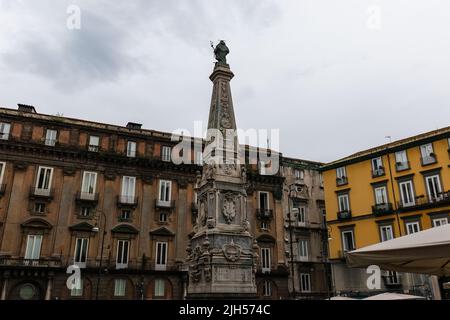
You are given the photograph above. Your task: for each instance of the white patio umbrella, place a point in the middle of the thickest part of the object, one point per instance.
(341, 298)
(425, 252)
(394, 296)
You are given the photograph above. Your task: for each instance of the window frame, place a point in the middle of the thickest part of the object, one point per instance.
(49, 179)
(155, 287)
(85, 174)
(169, 192)
(131, 151)
(49, 141)
(160, 263)
(385, 195)
(303, 247)
(266, 259)
(305, 286)
(93, 147)
(267, 288)
(344, 244)
(412, 189)
(440, 220)
(120, 290)
(166, 153)
(120, 264)
(341, 172)
(32, 255)
(4, 134)
(438, 186)
(347, 197)
(410, 223)
(80, 263)
(386, 226)
(267, 200)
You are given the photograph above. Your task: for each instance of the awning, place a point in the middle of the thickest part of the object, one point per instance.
(425, 252)
(394, 296)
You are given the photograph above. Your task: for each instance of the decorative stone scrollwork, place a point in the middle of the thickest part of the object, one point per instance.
(232, 251)
(229, 207)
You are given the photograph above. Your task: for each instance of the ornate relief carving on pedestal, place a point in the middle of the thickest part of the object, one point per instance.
(229, 207)
(232, 251)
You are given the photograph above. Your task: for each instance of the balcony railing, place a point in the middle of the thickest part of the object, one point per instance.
(131, 201)
(164, 203)
(2, 189)
(341, 181)
(264, 214)
(382, 208)
(392, 280)
(428, 159)
(41, 193)
(400, 166)
(93, 148)
(344, 215)
(50, 142)
(22, 262)
(87, 197)
(378, 172)
(441, 199)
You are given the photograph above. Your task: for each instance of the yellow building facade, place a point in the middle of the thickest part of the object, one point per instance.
(387, 192)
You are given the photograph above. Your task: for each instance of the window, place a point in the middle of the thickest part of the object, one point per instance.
(341, 176)
(4, 130)
(267, 288)
(88, 185)
(160, 287)
(161, 255)
(33, 249)
(50, 137)
(301, 217)
(401, 160)
(380, 195)
(303, 250)
(386, 233)
(85, 212)
(2, 171)
(131, 149)
(433, 188)
(377, 167)
(264, 225)
(392, 277)
(305, 282)
(299, 174)
(119, 287)
(81, 251)
(163, 217)
(321, 180)
(343, 202)
(125, 214)
(94, 142)
(428, 156)
(77, 291)
(166, 153)
(265, 259)
(165, 188)
(437, 222)
(122, 254)
(128, 189)
(39, 207)
(44, 180)
(263, 201)
(406, 193)
(348, 242)
(412, 227)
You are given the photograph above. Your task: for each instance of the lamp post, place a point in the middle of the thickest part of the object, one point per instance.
(96, 229)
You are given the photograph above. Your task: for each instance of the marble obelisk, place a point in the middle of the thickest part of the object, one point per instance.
(222, 254)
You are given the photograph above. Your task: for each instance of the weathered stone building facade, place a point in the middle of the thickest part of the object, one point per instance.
(91, 194)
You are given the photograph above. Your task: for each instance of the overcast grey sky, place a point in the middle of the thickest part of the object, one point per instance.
(334, 76)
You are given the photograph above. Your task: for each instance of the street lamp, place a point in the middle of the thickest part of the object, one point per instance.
(96, 229)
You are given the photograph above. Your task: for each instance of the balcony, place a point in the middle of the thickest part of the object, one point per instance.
(424, 202)
(344, 215)
(400, 166)
(2, 189)
(430, 159)
(50, 142)
(22, 262)
(264, 214)
(165, 204)
(127, 201)
(86, 197)
(382, 209)
(39, 193)
(341, 181)
(378, 172)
